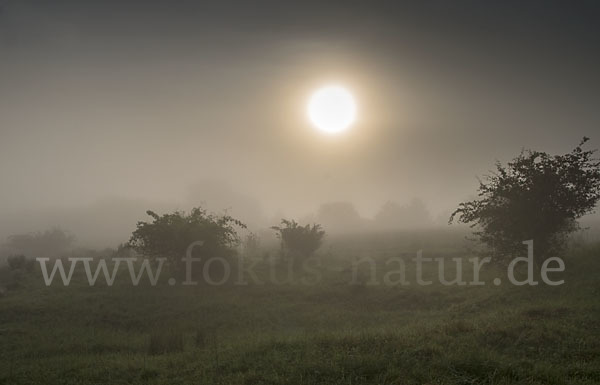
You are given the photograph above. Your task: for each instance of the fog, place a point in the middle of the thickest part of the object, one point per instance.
(108, 109)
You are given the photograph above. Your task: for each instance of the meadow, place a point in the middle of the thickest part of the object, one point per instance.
(327, 333)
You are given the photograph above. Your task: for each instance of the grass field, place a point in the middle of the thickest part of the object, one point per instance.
(329, 333)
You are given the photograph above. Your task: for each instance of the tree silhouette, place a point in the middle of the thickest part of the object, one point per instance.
(393, 216)
(339, 216)
(169, 235)
(535, 196)
(50, 243)
(302, 241)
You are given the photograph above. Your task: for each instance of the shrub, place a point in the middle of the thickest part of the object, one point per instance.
(50, 243)
(300, 240)
(536, 196)
(251, 245)
(170, 235)
(6, 280)
(20, 262)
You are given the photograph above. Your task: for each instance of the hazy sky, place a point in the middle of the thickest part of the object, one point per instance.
(151, 101)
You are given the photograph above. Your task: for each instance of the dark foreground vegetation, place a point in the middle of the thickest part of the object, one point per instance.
(329, 333)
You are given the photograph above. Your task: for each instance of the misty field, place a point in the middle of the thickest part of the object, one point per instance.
(328, 333)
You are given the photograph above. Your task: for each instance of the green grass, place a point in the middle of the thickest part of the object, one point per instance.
(330, 333)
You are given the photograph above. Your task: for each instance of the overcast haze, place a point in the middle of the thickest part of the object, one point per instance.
(170, 105)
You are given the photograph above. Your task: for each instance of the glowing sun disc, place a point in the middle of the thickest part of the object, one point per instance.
(332, 109)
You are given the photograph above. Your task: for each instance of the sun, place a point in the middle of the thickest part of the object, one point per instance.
(332, 109)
